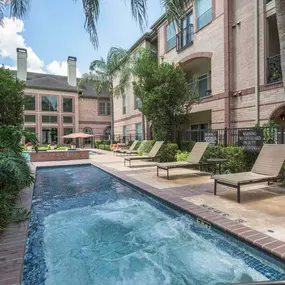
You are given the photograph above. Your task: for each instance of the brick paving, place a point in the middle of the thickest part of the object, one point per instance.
(13, 241)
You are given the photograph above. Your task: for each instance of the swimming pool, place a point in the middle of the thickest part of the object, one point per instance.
(89, 228)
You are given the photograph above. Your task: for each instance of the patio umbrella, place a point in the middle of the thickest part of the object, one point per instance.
(77, 136)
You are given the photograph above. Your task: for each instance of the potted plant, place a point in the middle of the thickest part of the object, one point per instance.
(73, 145)
(29, 146)
(52, 144)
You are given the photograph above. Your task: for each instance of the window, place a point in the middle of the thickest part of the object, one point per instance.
(124, 133)
(30, 103)
(203, 84)
(30, 118)
(49, 119)
(170, 36)
(138, 102)
(49, 103)
(67, 120)
(203, 12)
(124, 104)
(49, 135)
(108, 109)
(198, 132)
(102, 108)
(67, 105)
(186, 36)
(138, 131)
(67, 131)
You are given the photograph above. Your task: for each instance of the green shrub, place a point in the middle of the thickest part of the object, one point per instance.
(236, 159)
(97, 143)
(104, 147)
(187, 145)
(167, 152)
(146, 146)
(181, 155)
(62, 148)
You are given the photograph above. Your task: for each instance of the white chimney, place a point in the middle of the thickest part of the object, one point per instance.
(22, 64)
(71, 71)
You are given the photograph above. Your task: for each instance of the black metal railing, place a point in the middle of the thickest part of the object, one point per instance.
(185, 38)
(204, 18)
(252, 139)
(274, 71)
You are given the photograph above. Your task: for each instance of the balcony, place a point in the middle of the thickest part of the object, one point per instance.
(184, 38)
(274, 72)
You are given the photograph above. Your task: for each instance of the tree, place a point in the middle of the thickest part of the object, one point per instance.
(165, 95)
(11, 99)
(280, 15)
(102, 73)
(91, 8)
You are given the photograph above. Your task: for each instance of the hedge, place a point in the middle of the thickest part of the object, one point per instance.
(187, 145)
(104, 147)
(181, 155)
(167, 152)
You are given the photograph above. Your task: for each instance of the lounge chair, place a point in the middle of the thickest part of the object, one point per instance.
(127, 150)
(193, 160)
(151, 156)
(266, 168)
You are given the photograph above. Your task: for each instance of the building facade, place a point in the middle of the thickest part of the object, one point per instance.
(58, 105)
(233, 48)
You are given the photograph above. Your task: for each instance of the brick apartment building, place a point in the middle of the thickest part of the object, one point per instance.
(55, 106)
(233, 46)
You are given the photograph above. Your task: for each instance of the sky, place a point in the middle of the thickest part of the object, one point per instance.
(54, 30)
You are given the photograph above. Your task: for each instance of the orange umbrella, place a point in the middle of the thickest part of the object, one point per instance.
(78, 136)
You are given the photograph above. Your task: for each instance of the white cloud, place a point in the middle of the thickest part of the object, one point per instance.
(11, 39)
(60, 68)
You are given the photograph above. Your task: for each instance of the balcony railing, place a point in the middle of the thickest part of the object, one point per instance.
(185, 38)
(274, 71)
(202, 87)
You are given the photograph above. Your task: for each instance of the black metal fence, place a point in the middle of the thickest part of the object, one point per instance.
(251, 139)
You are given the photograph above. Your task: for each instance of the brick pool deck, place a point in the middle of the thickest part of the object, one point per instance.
(188, 191)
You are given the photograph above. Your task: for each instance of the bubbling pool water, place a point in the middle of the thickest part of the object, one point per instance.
(131, 242)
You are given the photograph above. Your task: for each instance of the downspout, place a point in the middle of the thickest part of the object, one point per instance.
(143, 127)
(257, 63)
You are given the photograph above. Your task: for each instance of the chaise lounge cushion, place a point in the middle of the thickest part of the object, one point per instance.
(240, 178)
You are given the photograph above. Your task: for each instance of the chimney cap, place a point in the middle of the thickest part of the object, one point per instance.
(72, 58)
(22, 50)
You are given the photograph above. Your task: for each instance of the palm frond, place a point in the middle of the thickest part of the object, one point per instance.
(98, 64)
(91, 10)
(116, 58)
(18, 8)
(2, 11)
(139, 9)
(124, 81)
(175, 9)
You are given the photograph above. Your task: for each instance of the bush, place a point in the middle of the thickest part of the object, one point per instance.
(97, 143)
(187, 145)
(181, 155)
(62, 148)
(104, 147)
(167, 152)
(236, 159)
(146, 146)
(138, 145)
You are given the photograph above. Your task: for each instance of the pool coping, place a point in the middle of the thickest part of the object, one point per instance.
(256, 239)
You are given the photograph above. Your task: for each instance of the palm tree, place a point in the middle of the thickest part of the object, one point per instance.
(91, 8)
(102, 73)
(280, 15)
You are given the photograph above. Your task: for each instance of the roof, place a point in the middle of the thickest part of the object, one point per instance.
(159, 21)
(60, 83)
